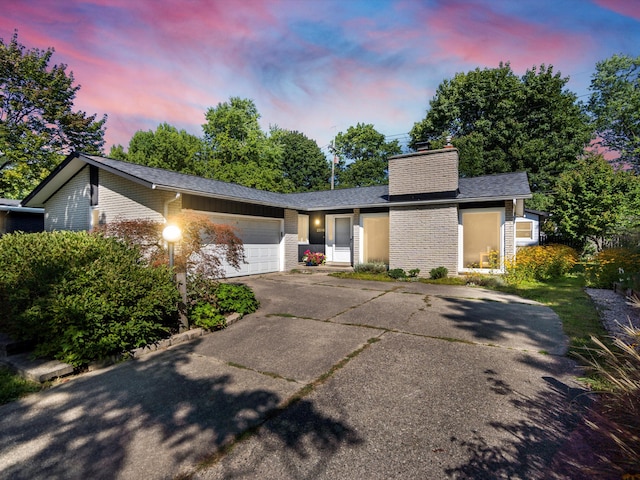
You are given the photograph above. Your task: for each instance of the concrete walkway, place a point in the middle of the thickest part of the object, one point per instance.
(345, 379)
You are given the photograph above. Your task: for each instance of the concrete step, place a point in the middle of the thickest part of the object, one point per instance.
(9, 346)
(38, 370)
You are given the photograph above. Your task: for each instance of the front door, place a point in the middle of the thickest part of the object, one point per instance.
(338, 246)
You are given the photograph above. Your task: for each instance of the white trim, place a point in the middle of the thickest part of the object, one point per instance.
(330, 234)
(461, 212)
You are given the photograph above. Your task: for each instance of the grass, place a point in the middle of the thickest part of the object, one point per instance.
(13, 386)
(378, 277)
(566, 297)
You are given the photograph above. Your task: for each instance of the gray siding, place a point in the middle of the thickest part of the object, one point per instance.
(429, 171)
(424, 238)
(123, 199)
(290, 239)
(70, 207)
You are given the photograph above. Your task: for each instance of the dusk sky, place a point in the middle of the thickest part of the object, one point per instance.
(309, 65)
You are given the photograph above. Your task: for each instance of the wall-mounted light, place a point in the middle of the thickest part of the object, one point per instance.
(317, 222)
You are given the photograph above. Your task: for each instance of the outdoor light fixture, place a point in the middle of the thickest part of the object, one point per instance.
(317, 222)
(171, 235)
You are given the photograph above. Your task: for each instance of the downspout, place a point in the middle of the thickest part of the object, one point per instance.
(166, 205)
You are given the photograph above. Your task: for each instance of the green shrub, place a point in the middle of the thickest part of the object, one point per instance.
(414, 272)
(438, 272)
(397, 273)
(232, 297)
(82, 297)
(613, 265)
(370, 267)
(481, 280)
(207, 316)
(540, 263)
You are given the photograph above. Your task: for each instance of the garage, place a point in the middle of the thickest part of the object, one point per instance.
(261, 239)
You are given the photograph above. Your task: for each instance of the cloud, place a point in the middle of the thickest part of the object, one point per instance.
(627, 8)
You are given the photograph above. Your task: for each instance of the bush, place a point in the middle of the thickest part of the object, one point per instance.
(207, 316)
(414, 272)
(613, 265)
(81, 297)
(439, 272)
(236, 298)
(540, 263)
(397, 273)
(370, 267)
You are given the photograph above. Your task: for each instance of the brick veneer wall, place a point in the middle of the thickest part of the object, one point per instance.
(290, 239)
(424, 238)
(356, 237)
(70, 207)
(426, 171)
(509, 229)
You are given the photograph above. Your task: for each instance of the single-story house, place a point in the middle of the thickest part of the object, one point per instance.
(424, 218)
(16, 218)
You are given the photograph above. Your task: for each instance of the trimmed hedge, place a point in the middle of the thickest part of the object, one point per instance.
(81, 297)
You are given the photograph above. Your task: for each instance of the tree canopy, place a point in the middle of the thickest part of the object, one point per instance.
(167, 148)
(368, 152)
(594, 201)
(303, 163)
(615, 106)
(504, 123)
(240, 151)
(38, 125)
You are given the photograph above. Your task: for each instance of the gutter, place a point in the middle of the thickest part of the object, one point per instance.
(167, 202)
(7, 208)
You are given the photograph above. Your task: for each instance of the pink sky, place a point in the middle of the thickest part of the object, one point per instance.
(309, 65)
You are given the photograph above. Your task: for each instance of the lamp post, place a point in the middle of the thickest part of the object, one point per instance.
(171, 235)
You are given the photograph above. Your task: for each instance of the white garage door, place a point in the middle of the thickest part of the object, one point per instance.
(261, 239)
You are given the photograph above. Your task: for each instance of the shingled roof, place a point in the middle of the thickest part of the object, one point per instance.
(485, 188)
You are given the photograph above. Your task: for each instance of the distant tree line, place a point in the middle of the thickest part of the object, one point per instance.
(499, 121)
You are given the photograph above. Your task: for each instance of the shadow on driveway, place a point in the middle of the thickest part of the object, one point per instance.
(150, 418)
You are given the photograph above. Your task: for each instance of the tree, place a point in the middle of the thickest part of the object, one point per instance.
(615, 106)
(302, 161)
(504, 123)
(167, 148)
(595, 202)
(38, 125)
(241, 152)
(368, 151)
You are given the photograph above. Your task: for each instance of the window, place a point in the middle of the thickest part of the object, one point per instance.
(375, 241)
(524, 230)
(481, 239)
(303, 229)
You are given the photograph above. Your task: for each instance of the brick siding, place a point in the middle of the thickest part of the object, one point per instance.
(424, 238)
(427, 171)
(509, 229)
(290, 239)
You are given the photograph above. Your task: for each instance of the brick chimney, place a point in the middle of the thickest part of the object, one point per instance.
(426, 173)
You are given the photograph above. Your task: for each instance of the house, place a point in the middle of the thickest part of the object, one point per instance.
(425, 218)
(528, 230)
(15, 218)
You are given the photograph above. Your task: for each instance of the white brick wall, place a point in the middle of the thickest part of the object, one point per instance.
(426, 171)
(509, 229)
(290, 239)
(70, 207)
(424, 238)
(355, 254)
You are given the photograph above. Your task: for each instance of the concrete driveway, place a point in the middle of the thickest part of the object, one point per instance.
(333, 379)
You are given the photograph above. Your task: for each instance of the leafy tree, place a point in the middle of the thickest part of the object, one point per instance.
(168, 148)
(302, 161)
(38, 125)
(615, 106)
(595, 202)
(503, 123)
(368, 151)
(202, 249)
(241, 152)
(117, 152)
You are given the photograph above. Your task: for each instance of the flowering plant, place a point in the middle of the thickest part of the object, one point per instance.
(313, 258)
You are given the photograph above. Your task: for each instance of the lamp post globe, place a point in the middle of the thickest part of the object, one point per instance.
(171, 235)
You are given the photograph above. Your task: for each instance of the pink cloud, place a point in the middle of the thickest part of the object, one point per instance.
(627, 8)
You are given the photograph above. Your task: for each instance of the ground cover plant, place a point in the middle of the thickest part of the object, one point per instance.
(614, 265)
(80, 297)
(13, 386)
